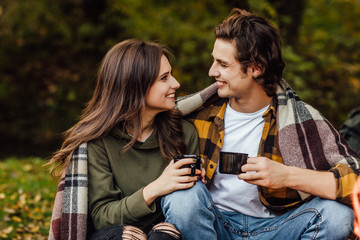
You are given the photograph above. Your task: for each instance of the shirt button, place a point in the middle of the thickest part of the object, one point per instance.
(211, 166)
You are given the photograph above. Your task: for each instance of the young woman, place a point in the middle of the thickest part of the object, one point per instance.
(133, 133)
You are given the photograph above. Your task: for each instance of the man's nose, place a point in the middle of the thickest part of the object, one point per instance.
(213, 72)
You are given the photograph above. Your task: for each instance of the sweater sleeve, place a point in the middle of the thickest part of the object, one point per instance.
(345, 178)
(198, 100)
(107, 204)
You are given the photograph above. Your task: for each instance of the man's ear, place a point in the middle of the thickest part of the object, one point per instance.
(256, 70)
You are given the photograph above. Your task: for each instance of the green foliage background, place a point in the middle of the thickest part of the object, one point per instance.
(50, 51)
(27, 193)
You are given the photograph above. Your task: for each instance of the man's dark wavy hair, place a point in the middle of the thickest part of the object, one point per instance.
(257, 43)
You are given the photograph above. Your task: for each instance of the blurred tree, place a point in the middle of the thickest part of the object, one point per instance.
(321, 51)
(50, 51)
(290, 16)
(237, 4)
(325, 63)
(185, 26)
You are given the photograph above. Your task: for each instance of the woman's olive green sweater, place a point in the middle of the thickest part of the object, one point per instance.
(116, 180)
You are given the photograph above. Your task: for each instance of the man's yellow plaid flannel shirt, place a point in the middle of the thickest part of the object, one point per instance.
(209, 123)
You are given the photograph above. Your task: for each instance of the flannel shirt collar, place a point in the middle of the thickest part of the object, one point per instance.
(216, 112)
(272, 108)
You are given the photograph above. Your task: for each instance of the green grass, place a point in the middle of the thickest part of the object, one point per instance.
(27, 193)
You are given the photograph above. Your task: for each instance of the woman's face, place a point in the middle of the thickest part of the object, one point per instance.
(161, 95)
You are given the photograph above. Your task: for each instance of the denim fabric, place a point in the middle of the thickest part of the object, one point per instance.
(194, 214)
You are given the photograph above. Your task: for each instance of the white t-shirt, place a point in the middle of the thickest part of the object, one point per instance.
(242, 134)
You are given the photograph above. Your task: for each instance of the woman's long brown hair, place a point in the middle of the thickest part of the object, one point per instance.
(126, 73)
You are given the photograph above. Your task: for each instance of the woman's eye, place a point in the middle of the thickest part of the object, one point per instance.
(164, 77)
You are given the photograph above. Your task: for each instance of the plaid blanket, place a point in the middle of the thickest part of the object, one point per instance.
(306, 135)
(305, 138)
(69, 217)
(308, 140)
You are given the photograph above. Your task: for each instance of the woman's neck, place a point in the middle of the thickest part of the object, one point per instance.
(144, 134)
(147, 121)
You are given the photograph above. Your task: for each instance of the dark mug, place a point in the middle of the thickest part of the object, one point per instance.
(193, 166)
(231, 163)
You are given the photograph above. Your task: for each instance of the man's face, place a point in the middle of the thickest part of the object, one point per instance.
(231, 80)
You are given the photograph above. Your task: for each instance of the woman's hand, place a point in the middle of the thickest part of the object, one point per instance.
(203, 172)
(172, 178)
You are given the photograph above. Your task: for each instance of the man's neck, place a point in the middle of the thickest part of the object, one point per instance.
(252, 104)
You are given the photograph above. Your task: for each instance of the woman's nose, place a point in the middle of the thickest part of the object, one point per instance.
(175, 83)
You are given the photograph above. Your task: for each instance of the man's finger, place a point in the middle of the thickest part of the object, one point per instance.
(249, 176)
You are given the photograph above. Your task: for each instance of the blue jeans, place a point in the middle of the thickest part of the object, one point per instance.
(193, 212)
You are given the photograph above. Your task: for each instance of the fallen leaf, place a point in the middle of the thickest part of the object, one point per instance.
(27, 167)
(37, 197)
(22, 200)
(35, 229)
(9, 210)
(8, 230)
(16, 219)
(12, 197)
(27, 237)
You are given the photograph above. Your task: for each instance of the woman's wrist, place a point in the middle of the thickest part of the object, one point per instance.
(149, 193)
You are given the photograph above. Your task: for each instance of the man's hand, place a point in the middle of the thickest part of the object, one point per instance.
(265, 172)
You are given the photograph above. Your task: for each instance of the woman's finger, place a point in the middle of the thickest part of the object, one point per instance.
(184, 161)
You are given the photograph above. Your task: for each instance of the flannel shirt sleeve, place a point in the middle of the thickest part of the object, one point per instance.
(345, 178)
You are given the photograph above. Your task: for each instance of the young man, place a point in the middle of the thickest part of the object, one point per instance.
(300, 174)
